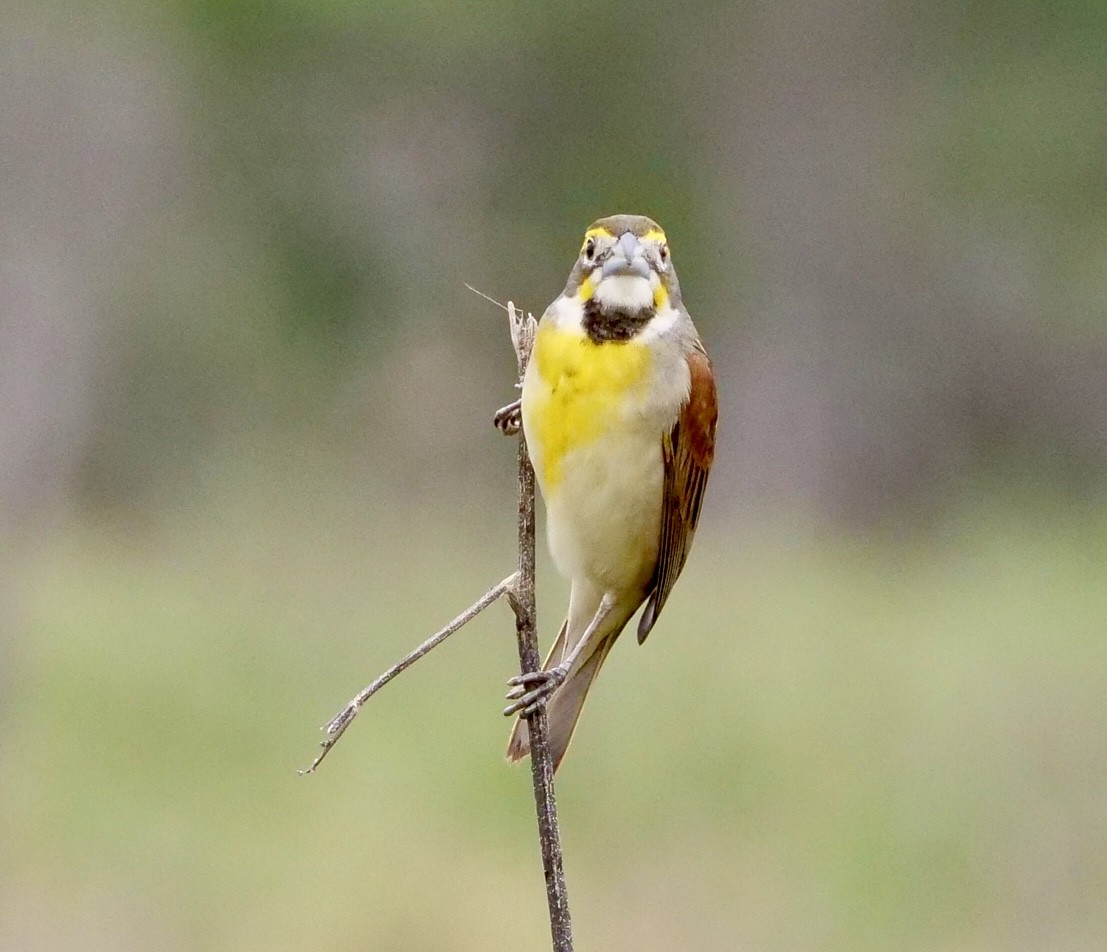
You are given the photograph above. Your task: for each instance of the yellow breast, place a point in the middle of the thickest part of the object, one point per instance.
(575, 391)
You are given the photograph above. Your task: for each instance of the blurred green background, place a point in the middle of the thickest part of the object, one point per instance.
(246, 462)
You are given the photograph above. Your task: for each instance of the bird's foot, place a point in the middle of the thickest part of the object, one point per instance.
(531, 690)
(509, 420)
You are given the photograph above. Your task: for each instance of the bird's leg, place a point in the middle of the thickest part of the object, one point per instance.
(530, 690)
(509, 420)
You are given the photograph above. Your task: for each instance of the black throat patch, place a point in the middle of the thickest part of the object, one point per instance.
(605, 324)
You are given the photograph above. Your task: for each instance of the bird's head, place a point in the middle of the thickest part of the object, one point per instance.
(624, 263)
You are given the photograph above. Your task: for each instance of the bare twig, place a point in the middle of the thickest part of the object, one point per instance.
(337, 725)
(488, 297)
(519, 589)
(523, 603)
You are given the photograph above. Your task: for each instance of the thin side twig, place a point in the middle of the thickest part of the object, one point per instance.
(522, 601)
(519, 589)
(337, 725)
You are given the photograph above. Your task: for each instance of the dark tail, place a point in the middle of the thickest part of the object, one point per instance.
(563, 709)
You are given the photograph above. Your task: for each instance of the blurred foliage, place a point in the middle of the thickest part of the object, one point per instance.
(247, 462)
(886, 222)
(865, 746)
(1018, 144)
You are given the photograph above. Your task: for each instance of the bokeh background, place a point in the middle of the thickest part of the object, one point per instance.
(246, 462)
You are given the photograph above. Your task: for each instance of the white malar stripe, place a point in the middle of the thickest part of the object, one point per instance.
(624, 291)
(566, 314)
(663, 322)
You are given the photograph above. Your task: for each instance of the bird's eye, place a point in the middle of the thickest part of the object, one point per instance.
(663, 251)
(590, 249)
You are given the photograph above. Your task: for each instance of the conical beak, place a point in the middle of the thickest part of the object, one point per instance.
(627, 257)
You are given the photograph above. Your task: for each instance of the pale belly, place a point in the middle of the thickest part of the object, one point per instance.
(604, 516)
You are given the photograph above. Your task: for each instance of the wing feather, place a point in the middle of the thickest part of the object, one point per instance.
(688, 450)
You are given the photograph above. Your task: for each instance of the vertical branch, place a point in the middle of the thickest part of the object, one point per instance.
(523, 603)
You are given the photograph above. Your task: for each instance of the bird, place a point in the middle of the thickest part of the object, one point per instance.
(619, 409)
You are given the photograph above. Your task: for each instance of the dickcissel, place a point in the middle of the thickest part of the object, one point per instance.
(619, 409)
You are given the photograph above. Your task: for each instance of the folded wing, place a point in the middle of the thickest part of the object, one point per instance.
(688, 451)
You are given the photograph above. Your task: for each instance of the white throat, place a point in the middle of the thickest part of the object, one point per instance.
(624, 291)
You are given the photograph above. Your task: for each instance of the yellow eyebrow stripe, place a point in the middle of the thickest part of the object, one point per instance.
(654, 234)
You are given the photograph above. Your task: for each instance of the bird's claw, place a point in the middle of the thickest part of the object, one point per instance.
(531, 690)
(509, 420)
